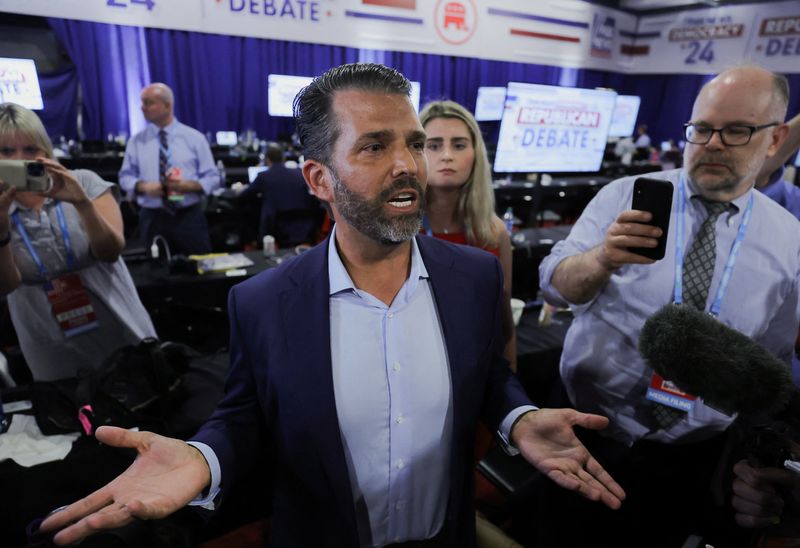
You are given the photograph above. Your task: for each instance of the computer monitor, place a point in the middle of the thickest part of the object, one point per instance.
(489, 106)
(415, 94)
(623, 121)
(253, 171)
(281, 92)
(227, 138)
(19, 83)
(553, 129)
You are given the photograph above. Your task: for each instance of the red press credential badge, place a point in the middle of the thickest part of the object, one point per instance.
(666, 393)
(174, 174)
(71, 305)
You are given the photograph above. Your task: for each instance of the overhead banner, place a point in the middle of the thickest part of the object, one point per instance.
(566, 33)
(710, 40)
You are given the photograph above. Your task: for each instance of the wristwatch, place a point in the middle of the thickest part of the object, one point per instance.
(4, 241)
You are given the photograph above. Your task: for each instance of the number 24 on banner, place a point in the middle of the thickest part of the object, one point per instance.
(122, 4)
(699, 52)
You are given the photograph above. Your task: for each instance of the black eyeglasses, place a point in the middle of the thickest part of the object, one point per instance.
(734, 135)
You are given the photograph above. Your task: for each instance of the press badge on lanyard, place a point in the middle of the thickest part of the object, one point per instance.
(66, 294)
(661, 390)
(666, 393)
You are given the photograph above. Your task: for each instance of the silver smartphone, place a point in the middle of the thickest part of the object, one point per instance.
(25, 175)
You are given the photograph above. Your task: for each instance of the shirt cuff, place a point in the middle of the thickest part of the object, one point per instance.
(504, 432)
(208, 502)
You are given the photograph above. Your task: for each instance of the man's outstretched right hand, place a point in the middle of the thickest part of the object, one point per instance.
(166, 475)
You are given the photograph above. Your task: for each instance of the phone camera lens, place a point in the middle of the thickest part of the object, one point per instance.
(35, 169)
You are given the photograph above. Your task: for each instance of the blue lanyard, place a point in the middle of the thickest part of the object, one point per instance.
(732, 255)
(62, 223)
(427, 225)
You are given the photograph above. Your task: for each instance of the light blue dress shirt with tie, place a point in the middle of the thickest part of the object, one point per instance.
(602, 369)
(188, 150)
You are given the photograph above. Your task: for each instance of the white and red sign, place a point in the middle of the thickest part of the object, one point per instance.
(455, 20)
(568, 33)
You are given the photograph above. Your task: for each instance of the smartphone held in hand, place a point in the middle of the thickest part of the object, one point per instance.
(25, 175)
(655, 196)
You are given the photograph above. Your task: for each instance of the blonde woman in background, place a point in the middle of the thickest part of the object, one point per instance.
(460, 197)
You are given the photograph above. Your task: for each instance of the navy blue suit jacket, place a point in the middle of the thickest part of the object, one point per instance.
(280, 389)
(284, 189)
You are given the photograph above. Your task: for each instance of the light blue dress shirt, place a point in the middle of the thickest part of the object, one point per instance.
(188, 150)
(601, 366)
(391, 382)
(784, 192)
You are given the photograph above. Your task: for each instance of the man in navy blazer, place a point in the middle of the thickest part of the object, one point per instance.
(363, 364)
(283, 190)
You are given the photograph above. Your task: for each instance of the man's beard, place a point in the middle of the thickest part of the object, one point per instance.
(726, 183)
(369, 217)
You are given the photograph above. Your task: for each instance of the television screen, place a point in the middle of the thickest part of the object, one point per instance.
(623, 120)
(253, 171)
(227, 138)
(282, 91)
(553, 129)
(19, 83)
(415, 93)
(489, 105)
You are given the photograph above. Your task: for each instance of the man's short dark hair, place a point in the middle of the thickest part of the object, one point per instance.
(316, 124)
(275, 153)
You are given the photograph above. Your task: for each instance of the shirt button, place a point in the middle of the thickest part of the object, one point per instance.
(400, 418)
(401, 464)
(396, 366)
(391, 315)
(398, 506)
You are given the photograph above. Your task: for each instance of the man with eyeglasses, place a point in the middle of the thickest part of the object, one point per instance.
(666, 458)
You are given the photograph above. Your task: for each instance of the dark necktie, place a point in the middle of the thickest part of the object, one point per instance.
(698, 269)
(698, 265)
(163, 167)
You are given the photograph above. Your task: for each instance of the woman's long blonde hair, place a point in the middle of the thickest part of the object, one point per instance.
(476, 198)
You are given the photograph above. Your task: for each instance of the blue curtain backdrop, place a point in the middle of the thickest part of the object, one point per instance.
(220, 82)
(60, 97)
(110, 65)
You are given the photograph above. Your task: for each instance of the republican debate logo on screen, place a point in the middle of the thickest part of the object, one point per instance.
(455, 20)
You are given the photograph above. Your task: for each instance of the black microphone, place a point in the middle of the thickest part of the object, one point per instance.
(706, 358)
(732, 373)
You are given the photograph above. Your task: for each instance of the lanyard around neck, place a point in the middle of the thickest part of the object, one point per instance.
(62, 223)
(426, 225)
(732, 255)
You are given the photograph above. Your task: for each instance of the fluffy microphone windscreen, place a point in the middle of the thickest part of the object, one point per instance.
(706, 358)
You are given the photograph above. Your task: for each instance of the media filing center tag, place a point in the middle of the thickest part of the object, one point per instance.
(666, 393)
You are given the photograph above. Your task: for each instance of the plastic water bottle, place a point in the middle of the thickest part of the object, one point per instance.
(221, 169)
(269, 245)
(508, 220)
